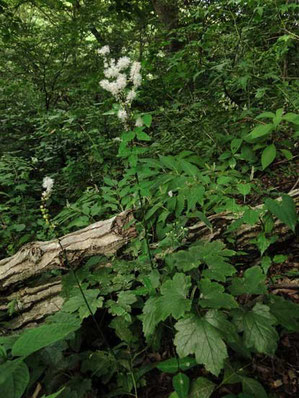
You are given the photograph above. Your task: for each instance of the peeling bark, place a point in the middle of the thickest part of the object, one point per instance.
(41, 299)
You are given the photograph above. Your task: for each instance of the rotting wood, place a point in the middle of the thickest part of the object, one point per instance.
(105, 237)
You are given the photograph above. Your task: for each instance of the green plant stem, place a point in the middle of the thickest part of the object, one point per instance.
(84, 296)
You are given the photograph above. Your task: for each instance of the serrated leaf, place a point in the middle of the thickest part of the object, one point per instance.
(253, 387)
(268, 155)
(284, 210)
(77, 303)
(227, 330)
(201, 388)
(173, 300)
(181, 384)
(197, 336)
(183, 260)
(33, 340)
(259, 334)
(213, 296)
(150, 317)
(16, 383)
(266, 264)
(215, 256)
(253, 282)
(286, 312)
(251, 217)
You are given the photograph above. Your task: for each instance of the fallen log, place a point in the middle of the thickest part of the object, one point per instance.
(35, 303)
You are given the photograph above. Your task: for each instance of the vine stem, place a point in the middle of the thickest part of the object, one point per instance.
(84, 296)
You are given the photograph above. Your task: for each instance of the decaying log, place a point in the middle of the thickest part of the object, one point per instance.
(103, 237)
(33, 304)
(245, 233)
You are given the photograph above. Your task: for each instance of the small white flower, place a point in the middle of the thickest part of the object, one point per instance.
(116, 139)
(170, 193)
(139, 122)
(48, 183)
(137, 80)
(122, 115)
(150, 76)
(123, 63)
(131, 96)
(135, 75)
(104, 50)
(121, 81)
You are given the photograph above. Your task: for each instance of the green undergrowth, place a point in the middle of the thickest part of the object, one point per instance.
(196, 301)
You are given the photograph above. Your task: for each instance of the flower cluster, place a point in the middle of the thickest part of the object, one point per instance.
(123, 78)
(48, 184)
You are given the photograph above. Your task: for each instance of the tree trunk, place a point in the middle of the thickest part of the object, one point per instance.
(41, 299)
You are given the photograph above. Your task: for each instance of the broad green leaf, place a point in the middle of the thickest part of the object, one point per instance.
(244, 189)
(286, 312)
(197, 336)
(264, 242)
(169, 162)
(142, 136)
(227, 329)
(201, 388)
(259, 334)
(147, 119)
(253, 282)
(173, 300)
(285, 210)
(278, 117)
(266, 115)
(251, 217)
(33, 340)
(253, 387)
(214, 254)
(181, 384)
(183, 260)
(189, 168)
(16, 383)
(213, 296)
(261, 131)
(150, 317)
(194, 195)
(292, 118)
(122, 329)
(268, 155)
(235, 144)
(173, 365)
(169, 366)
(287, 154)
(7, 369)
(266, 264)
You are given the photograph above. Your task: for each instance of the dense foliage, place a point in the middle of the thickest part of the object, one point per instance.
(212, 129)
